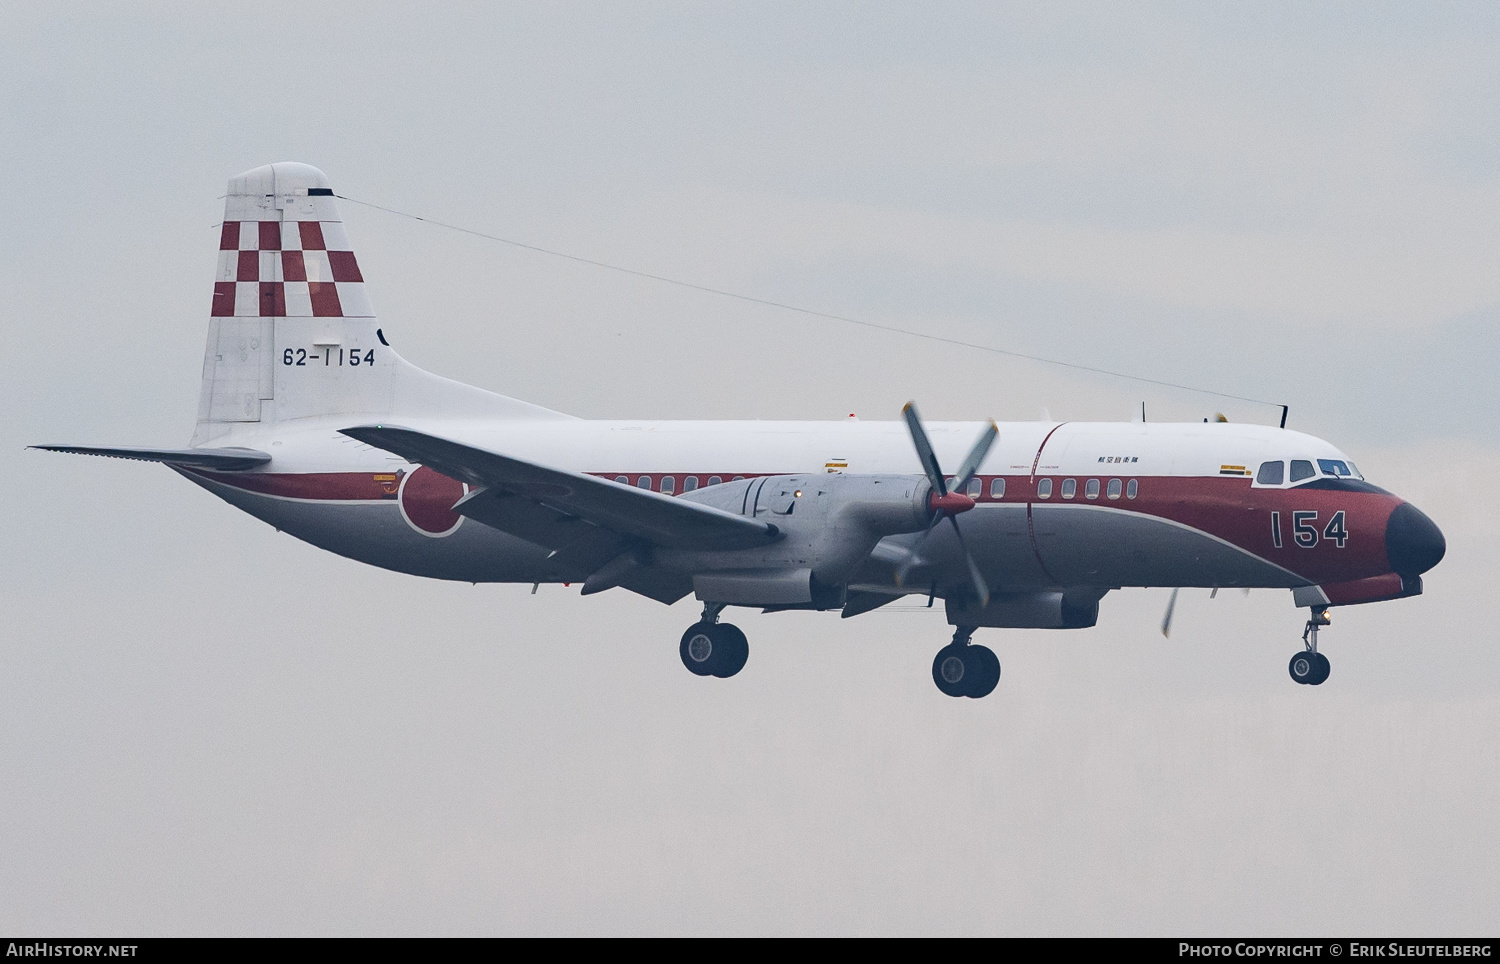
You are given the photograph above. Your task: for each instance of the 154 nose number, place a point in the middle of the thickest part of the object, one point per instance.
(1305, 531)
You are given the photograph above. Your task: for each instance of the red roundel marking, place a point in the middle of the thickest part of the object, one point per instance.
(427, 498)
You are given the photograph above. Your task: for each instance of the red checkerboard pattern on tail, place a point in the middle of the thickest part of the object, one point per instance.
(292, 334)
(288, 269)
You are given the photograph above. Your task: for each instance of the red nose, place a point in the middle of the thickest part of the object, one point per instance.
(953, 503)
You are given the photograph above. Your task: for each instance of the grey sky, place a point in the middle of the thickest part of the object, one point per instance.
(210, 727)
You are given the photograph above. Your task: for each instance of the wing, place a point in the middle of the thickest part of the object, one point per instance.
(586, 521)
(222, 460)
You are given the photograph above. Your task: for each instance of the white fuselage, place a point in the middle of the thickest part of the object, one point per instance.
(1154, 526)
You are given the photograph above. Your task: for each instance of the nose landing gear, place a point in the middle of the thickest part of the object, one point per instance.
(712, 648)
(964, 669)
(1310, 666)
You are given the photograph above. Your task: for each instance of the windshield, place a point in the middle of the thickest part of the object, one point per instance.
(1337, 468)
(1271, 473)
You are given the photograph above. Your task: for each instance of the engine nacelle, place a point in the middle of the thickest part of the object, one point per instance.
(830, 524)
(1073, 609)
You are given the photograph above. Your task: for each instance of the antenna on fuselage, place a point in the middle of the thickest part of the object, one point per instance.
(1284, 410)
(929, 336)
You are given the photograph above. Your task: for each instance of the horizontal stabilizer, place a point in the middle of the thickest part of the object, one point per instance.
(621, 509)
(222, 460)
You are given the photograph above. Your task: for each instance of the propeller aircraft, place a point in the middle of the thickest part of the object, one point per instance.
(309, 420)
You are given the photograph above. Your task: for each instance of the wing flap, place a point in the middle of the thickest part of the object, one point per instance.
(222, 460)
(580, 547)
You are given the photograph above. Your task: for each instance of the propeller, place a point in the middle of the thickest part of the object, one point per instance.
(947, 502)
(1166, 619)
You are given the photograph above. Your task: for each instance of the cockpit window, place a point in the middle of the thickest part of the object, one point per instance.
(1301, 469)
(1335, 467)
(1271, 473)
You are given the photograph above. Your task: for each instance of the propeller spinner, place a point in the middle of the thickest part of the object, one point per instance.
(947, 503)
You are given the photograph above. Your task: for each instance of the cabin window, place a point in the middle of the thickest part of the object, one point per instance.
(1091, 489)
(668, 485)
(1114, 489)
(1131, 488)
(951, 482)
(997, 488)
(1335, 467)
(739, 478)
(714, 480)
(690, 483)
(1302, 469)
(1271, 473)
(623, 479)
(976, 488)
(644, 482)
(1070, 488)
(1044, 489)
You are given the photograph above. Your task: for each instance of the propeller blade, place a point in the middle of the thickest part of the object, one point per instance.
(924, 448)
(914, 554)
(974, 574)
(1166, 620)
(976, 456)
(934, 472)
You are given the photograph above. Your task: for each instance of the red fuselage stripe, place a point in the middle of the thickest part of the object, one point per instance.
(1228, 508)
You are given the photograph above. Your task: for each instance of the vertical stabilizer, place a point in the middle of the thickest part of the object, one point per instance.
(292, 333)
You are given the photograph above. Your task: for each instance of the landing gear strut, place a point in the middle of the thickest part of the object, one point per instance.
(712, 648)
(1310, 666)
(964, 669)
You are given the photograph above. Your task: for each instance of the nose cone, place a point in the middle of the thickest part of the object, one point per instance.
(1413, 543)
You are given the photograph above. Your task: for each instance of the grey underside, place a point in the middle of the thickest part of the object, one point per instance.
(1066, 546)
(1063, 547)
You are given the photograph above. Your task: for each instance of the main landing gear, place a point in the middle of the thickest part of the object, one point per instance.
(712, 648)
(1310, 666)
(964, 669)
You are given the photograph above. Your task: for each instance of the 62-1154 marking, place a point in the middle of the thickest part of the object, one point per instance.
(1305, 529)
(353, 357)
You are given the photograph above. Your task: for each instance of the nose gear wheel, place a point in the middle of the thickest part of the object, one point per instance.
(1311, 667)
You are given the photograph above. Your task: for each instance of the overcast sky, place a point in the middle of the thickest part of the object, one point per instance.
(212, 728)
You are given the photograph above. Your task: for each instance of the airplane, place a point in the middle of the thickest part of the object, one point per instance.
(309, 420)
